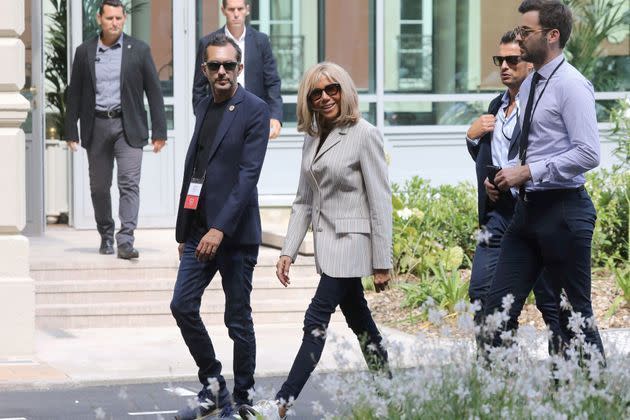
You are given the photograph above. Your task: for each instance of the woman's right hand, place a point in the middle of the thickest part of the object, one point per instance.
(282, 269)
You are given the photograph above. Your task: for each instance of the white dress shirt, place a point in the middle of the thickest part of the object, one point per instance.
(502, 134)
(241, 44)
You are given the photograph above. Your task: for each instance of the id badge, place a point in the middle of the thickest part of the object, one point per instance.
(194, 190)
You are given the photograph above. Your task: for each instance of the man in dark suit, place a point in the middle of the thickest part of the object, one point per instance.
(218, 225)
(259, 75)
(110, 74)
(489, 140)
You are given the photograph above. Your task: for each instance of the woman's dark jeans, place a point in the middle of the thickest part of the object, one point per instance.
(348, 294)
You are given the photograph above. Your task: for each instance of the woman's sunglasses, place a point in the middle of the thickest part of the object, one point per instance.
(216, 65)
(512, 60)
(331, 90)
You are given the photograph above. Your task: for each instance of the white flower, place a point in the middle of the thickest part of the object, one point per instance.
(213, 386)
(483, 236)
(465, 322)
(565, 305)
(99, 413)
(507, 301)
(319, 332)
(475, 307)
(576, 322)
(435, 316)
(318, 408)
(461, 306)
(405, 213)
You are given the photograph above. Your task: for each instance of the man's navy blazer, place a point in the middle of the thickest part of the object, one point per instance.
(229, 193)
(482, 155)
(261, 73)
(137, 76)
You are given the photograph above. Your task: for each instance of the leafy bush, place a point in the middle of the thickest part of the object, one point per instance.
(445, 288)
(610, 192)
(433, 225)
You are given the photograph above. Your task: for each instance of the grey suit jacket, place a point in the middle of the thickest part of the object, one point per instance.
(344, 194)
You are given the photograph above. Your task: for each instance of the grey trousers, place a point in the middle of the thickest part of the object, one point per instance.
(109, 143)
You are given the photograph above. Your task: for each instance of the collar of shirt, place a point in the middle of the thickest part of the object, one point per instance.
(102, 47)
(237, 40)
(546, 70)
(505, 102)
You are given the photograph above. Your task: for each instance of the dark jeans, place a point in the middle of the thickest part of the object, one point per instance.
(348, 294)
(484, 266)
(236, 265)
(109, 143)
(550, 230)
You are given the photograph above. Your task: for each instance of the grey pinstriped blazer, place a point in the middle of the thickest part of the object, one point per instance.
(344, 194)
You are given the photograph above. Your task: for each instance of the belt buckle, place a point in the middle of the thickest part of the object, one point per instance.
(110, 113)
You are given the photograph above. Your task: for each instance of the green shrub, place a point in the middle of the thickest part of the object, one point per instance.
(610, 192)
(445, 287)
(433, 225)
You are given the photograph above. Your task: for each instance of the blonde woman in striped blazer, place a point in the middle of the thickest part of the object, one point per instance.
(344, 194)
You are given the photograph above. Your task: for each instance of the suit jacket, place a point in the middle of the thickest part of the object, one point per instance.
(482, 155)
(137, 76)
(234, 164)
(261, 73)
(344, 194)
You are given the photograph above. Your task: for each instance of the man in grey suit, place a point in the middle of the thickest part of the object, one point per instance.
(110, 74)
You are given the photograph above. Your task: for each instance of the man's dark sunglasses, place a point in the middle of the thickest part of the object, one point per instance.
(216, 65)
(331, 89)
(512, 60)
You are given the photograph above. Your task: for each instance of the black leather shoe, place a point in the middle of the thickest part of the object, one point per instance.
(127, 252)
(107, 247)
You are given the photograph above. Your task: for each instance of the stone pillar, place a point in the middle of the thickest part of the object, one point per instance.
(17, 290)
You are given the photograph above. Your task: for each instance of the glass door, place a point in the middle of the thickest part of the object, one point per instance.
(154, 23)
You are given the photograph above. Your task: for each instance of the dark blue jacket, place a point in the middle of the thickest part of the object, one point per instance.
(482, 155)
(261, 73)
(234, 164)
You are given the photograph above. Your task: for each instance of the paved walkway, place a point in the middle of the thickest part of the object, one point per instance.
(129, 355)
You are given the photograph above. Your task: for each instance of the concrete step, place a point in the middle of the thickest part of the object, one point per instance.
(148, 259)
(159, 289)
(304, 266)
(136, 314)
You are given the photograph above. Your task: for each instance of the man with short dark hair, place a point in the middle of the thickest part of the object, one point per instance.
(110, 75)
(554, 218)
(218, 225)
(489, 140)
(259, 75)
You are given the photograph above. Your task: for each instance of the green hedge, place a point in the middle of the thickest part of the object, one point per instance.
(437, 225)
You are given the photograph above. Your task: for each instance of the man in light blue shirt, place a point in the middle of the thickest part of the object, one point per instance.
(489, 140)
(554, 218)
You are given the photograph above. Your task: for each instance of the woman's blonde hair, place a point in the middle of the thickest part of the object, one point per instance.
(308, 120)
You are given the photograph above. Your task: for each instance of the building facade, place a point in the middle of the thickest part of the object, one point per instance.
(423, 69)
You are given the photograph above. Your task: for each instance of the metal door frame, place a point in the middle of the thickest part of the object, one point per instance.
(35, 203)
